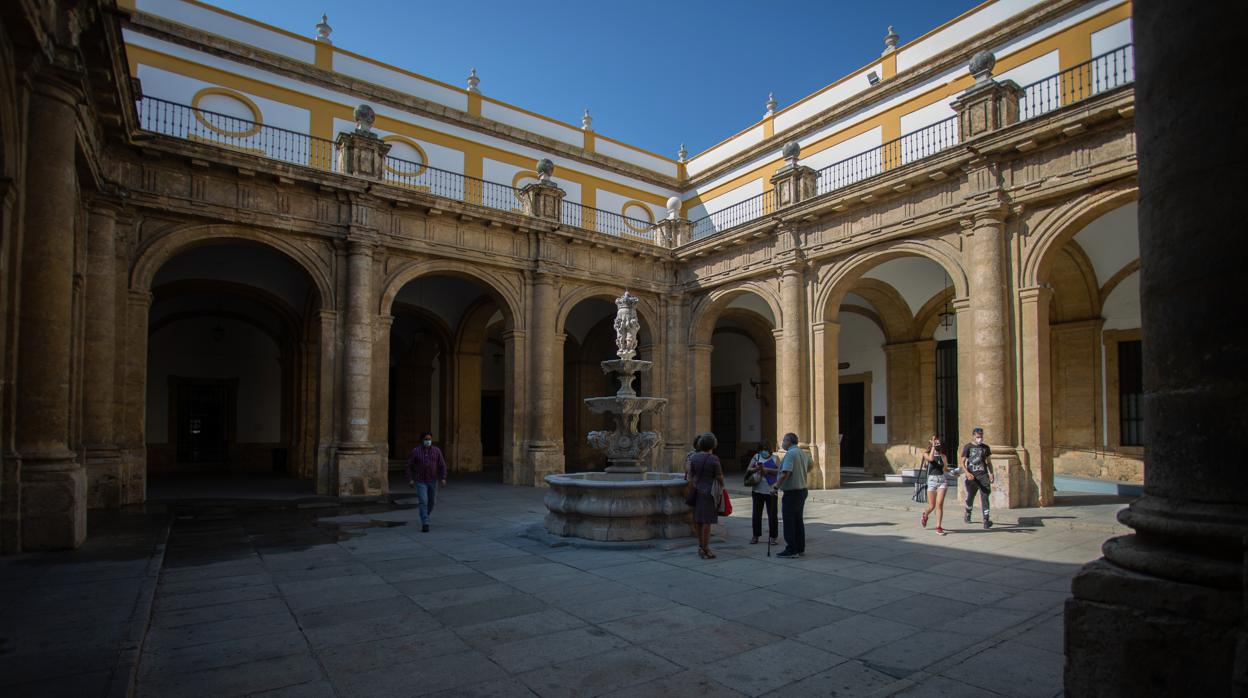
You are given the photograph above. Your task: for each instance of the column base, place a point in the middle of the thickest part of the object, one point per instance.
(362, 472)
(826, 464)
(542, 461)
(1129, 634)
(106, 478)
(134, 475)
(54, 503)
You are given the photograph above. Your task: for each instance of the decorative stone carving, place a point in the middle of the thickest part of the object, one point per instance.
(890, 41)
(989, 104)
(587, 121)
(626, 326)
(364, 118)
(323, 30)
(682, 154)
(771, 105)
(543, 198)
(545, 168)
(474, 82)
(794, 182)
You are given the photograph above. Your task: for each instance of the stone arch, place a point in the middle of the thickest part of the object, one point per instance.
(892, 313)
(837, 279)
(707, 309)
(290, 316)
(645, 306)
(928, 317)
(1076, 293)
(153, 255)
(507, 293)
(1059, 227)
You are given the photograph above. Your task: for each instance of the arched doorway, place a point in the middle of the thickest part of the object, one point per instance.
(896, 360)
(1095, 364)
(232, 373)
(453, 372)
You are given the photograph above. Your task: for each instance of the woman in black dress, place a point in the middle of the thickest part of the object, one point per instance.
(705, 472)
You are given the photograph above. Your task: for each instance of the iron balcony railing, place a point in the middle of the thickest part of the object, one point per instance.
(242, 135)
(739, 213)
(616, 224)
(1103, 73)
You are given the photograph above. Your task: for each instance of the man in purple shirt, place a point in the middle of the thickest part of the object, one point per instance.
(426, 468)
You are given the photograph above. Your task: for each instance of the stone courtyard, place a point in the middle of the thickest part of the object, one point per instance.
(306, 598)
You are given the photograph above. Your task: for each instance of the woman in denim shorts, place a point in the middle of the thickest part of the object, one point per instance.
(934, 466)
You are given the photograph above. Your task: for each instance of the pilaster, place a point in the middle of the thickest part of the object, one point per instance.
(825, 438)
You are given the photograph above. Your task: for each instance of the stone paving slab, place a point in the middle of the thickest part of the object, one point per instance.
(286, 602)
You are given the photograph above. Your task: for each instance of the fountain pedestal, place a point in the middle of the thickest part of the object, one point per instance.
(624, 503)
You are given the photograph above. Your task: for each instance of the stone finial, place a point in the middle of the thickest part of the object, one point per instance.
(682, 154)
(890, 41)
(673, 208)
(771, 104)
(545, 168)
(587, 121)
(981, 65)
(791, 152)
(364, 118)
(323, 30)
(474, 82)
(626, 326)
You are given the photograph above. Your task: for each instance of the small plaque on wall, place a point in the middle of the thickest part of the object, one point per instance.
(878, 419)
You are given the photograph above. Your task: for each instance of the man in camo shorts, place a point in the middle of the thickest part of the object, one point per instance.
(977, 464)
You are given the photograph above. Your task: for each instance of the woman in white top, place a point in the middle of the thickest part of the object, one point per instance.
(762, 474)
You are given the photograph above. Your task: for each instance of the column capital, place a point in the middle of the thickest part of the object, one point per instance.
(327, 314)
(139, 299)
(512, 335)
(385, 321)
(1035, 294)
(701, 347)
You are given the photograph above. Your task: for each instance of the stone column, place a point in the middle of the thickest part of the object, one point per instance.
(134, 431)
(327, 374)
(965, 323)
(544, 455)
(793, 410)
(54, 486)
(676, 430)
(825, 438)
(359, 466)
(700, 387)
(466, 454)
(1036, 430)
(515, 422)
(990, 377)
(103, 457)
(1164, 612)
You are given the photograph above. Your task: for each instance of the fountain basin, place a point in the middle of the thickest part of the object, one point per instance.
(618, 506)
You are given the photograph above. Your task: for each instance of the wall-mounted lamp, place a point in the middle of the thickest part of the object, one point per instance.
(758, 389)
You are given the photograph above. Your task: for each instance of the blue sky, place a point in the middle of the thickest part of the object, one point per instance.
(654, 74)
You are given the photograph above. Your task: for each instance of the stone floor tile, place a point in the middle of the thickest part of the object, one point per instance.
(498, 688)
(312, 689)
(514, 628)
(235, 680)
(322, 616)
(161, 639)
(660, 624)
(487, 610)
(856, 635)
(1046, 635)
(770, 667)
(377, 654)
(616, 607)
(708, 644)
(685, 684)
(864, 597)
(941, 687)
(177, 602)
(906, 655)
(794, 618)
(449, 672)
(349, 632)
(214, 655)
(1017, 669)
(224, 611)
(924, 610)
(597, 674)
(554, 648)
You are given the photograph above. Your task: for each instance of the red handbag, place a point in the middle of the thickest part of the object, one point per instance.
(726, 509)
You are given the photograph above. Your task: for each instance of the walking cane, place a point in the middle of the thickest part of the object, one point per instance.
(769, 538)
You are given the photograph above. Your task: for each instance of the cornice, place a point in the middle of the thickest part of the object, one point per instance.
(160, 28)
(947, 60)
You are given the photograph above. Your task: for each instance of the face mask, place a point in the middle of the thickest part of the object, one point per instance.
(428, 443)
(979, 440)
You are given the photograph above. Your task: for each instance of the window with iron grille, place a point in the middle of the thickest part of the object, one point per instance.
(1131, 393)
(947, 394)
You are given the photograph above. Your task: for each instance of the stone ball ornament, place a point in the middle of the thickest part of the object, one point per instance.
(981, 64)
(792, 151)
(545, 168)
(364, 118)
(673, 207)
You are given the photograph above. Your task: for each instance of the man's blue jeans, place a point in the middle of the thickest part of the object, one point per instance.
(427, 493)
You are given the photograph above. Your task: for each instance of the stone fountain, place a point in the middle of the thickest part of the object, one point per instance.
(624, 502)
